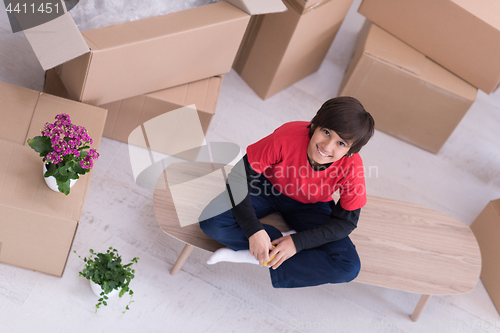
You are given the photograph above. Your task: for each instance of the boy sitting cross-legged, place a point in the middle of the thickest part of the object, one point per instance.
(295, 170)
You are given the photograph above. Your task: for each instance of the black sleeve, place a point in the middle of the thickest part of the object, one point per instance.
(342, 222)
(244, 212)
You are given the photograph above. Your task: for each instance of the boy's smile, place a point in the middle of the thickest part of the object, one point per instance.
(326, 146)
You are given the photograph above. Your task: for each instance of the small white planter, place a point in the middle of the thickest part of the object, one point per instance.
(52, 183)
(98, 290)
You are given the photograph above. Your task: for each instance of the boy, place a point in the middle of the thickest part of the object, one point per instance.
(295, 171)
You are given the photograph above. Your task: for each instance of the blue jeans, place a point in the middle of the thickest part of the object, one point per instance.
(334, 262)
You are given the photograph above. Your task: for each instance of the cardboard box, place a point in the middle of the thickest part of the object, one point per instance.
(126, 115)
(59, 40)
(460, 35)
(280, 49)
(37, 225)
(409, 96)
(156, 53)
(486, 228)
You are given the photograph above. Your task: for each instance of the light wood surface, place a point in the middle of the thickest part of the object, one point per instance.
(420, 307)
(401, 246)
(412, 248)
(186, 251)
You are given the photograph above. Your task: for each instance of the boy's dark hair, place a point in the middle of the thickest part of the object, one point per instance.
(347, 117)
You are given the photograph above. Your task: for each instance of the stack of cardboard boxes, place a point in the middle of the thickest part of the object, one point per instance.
(417, 66)
(136, 70)
(37, 225)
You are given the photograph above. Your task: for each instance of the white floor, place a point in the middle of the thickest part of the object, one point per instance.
(459, 181)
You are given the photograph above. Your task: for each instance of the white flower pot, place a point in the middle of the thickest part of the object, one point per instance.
(52, 183)
(98, 290)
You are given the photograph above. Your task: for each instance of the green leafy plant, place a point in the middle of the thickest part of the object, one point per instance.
(107, 270)
(62, 146)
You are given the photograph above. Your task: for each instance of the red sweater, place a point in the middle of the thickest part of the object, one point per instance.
(282, 158)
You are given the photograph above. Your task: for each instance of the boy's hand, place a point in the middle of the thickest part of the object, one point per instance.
(260, 244)
(285, 248)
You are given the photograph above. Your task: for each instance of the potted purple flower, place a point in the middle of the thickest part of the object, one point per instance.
(62, 146)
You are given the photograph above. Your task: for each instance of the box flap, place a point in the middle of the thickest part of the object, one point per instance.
(257, 7)
(53, 85)
(56, 41)
(74, 76)
(16, 107)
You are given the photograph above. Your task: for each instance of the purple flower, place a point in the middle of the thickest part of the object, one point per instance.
(67, 140)
(93, 154)
(86, 164)
(67, 149)
(53, 157)
(63, 119)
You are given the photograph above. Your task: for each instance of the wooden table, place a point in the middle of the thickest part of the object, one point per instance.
(401, 246)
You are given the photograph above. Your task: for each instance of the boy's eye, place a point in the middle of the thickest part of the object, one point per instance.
(326, 132)
(341, 144)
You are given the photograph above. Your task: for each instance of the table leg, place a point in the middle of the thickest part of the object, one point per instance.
(182, 259)
(420, 307)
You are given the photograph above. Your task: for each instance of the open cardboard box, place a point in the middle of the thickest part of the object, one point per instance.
(486, 228)
(59, 40)
(156, 53)
(409, 96)
(461, 35)
(280, 49)
(37, 225)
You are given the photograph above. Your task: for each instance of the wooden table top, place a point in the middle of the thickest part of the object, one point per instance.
(401, 246)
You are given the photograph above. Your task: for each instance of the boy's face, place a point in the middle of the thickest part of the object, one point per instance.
(326, 146)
